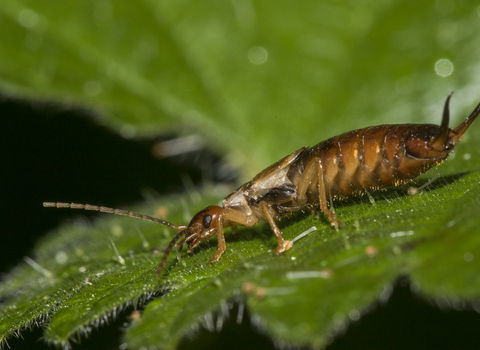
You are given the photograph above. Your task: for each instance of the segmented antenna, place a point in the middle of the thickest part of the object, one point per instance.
(182, 228)
(169, 249)
(112, 211)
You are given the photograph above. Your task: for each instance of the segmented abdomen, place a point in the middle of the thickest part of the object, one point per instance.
(367, 159)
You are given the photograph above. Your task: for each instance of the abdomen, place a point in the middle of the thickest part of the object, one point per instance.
(366, 159)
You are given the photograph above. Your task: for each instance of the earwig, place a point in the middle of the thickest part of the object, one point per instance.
(358, 161)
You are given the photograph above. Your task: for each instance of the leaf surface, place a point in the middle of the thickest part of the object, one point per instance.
(255, 81)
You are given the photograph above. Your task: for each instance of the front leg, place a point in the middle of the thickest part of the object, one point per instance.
(235, 217)
(221, 241)
(282, 244)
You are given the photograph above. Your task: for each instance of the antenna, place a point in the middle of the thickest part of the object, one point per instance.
(182, 228)
(112, 211)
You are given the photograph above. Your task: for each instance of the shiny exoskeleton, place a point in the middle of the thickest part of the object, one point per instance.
(360, 160)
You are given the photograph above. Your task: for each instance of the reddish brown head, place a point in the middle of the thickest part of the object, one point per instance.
(432, 142)
(202, 226)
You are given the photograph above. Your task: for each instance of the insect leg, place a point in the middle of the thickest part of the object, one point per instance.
(234, 217)
(282, 244)
(315, 166)
(307, 176)
(220, 238)
(322, 194)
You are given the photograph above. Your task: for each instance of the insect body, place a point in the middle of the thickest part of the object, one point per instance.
(366, 159)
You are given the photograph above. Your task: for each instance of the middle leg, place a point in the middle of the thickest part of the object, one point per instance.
(314, 172)
(282, 244)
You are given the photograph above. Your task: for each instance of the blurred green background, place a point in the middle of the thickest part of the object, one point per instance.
(250, 81)
(255, 80)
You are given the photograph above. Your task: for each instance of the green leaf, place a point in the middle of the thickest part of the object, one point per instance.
(256, 80)
(302, 297)
(84, 274)
(330, 277)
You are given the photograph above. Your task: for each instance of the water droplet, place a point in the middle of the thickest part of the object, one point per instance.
(28, 18)
(354, 315)
(257, 55)
(128, 131)
(92, 88)
(468, 257)
(117, 231)
(61, 257)
(338, 318)
(467, 156)
(443, 67)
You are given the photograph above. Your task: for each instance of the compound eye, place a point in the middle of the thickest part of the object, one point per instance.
(207, 220)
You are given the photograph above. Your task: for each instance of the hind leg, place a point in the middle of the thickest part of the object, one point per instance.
(313, 170)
